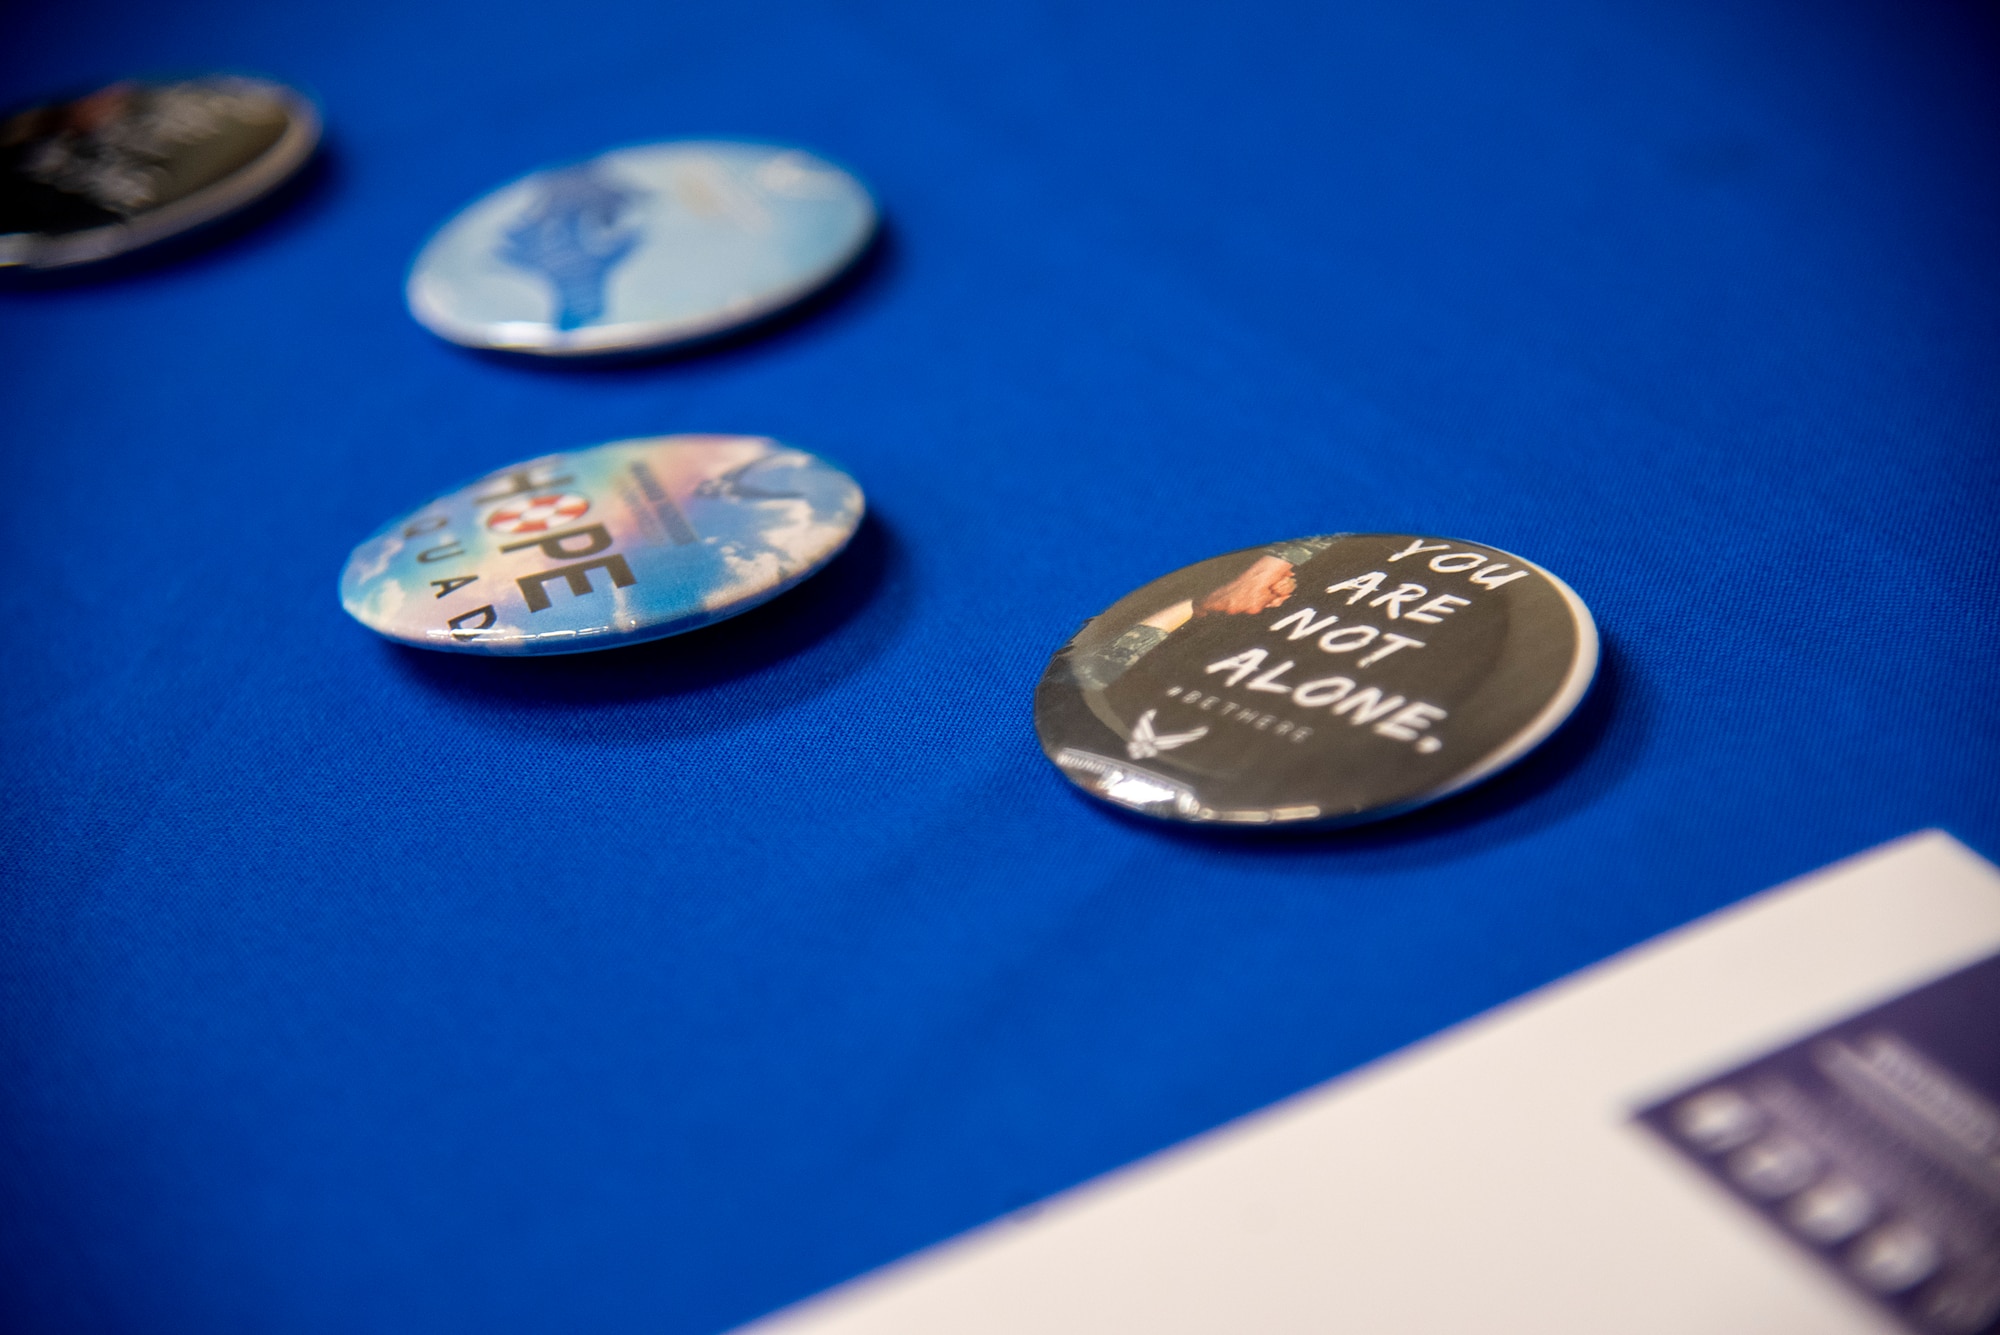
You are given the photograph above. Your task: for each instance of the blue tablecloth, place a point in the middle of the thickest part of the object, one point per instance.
(347, 988)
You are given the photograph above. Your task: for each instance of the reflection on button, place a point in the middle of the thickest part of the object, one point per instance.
(1717, 1120)
(1774, 1166)
(1833, 1211)
(1894, 1257)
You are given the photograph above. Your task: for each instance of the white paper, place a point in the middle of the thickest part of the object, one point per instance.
(1489, 1180)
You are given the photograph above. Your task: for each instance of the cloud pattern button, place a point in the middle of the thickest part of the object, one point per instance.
(641, 248)
(624, 542)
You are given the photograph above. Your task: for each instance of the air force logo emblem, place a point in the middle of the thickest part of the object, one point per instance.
(1145, 743)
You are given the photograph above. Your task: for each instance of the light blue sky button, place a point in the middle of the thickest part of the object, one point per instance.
(641, 248)
(624, 542)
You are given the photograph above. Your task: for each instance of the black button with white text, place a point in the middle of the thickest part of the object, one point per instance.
(1323, 681)
(89, 178)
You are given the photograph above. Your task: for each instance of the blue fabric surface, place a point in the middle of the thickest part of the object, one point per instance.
(346, 988)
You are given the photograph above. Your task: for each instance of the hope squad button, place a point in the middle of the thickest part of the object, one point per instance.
(624, 542)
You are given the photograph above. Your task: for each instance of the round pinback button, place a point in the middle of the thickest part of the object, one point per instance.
(624, 542)
(135, 163)
(641, 249)
(1326, 681)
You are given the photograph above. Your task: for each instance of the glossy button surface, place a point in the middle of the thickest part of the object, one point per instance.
(1322, 681)
(641, 248)
(134, 163)
(623, 542)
